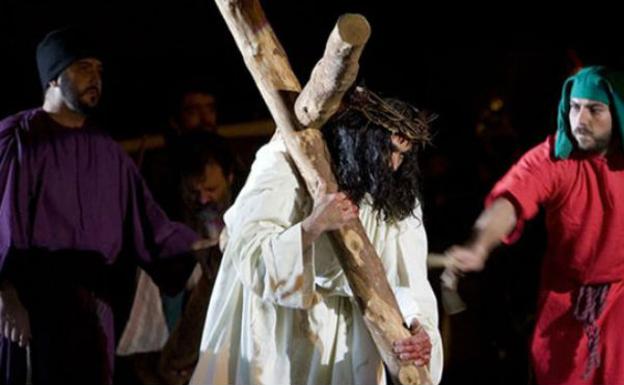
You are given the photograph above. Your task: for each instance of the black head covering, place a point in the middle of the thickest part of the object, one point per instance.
(59, 49)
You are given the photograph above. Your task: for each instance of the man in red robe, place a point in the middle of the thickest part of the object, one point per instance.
(577, 176)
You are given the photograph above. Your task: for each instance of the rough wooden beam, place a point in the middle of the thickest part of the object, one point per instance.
(269, 67)
(237, 130)
(334, 73)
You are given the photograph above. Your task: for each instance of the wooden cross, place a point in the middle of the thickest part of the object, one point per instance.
(298, 114)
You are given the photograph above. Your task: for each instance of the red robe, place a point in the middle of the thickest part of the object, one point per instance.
(583, 197)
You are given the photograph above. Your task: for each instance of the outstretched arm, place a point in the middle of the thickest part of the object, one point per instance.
(494, 224)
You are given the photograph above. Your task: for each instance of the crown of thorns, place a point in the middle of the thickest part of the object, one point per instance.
(397, 117)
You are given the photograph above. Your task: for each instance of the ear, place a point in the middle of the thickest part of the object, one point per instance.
(230, 178)
(56, 81)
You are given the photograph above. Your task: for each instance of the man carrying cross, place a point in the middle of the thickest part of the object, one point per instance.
(282, 309)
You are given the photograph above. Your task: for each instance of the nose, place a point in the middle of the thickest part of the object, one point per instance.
(96, 80)
(396, 159)
(205, 198)
(209, 118)
(583, 118)
(95, 77)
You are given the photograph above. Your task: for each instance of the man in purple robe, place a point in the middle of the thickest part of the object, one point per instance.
(75, 220)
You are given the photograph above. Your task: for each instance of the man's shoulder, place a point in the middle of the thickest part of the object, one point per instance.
(541, 153)
(272, 167)
(19, 119)
(274, 154)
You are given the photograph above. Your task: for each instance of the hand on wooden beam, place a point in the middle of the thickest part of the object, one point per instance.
(416, 349)
(331, 212)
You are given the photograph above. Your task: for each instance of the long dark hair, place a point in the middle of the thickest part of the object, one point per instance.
(361, 151)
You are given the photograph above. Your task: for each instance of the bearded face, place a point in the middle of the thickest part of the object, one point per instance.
(81, 85)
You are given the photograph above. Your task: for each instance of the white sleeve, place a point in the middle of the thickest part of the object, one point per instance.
(264, 227)
(413, 291)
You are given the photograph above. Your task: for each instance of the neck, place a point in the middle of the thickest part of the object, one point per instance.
(56, 107)
(615, 146)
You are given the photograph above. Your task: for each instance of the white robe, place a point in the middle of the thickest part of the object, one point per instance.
(279, 315)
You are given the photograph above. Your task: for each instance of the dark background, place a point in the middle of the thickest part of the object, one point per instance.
(447, 58)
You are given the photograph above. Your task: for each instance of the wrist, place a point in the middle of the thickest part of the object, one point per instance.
(8, 292)
(311, 229)
(479, 250)
(480, 242)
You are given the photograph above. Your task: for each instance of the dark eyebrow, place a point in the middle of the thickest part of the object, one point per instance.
(589, 105)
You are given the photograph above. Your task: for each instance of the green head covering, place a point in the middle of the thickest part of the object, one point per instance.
(595, 83)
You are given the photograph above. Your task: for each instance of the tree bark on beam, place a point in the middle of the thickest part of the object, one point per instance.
(268, 64)
(334, 73)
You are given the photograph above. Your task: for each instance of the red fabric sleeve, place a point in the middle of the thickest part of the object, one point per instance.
(527, 185)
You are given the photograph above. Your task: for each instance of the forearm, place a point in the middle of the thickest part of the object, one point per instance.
(492, 226)
(310, 232)
(331, 212)
(270, 261)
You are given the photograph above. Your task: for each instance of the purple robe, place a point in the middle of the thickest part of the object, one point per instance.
(75, 219)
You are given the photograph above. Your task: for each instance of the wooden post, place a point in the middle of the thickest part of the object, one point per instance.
(266, 60)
